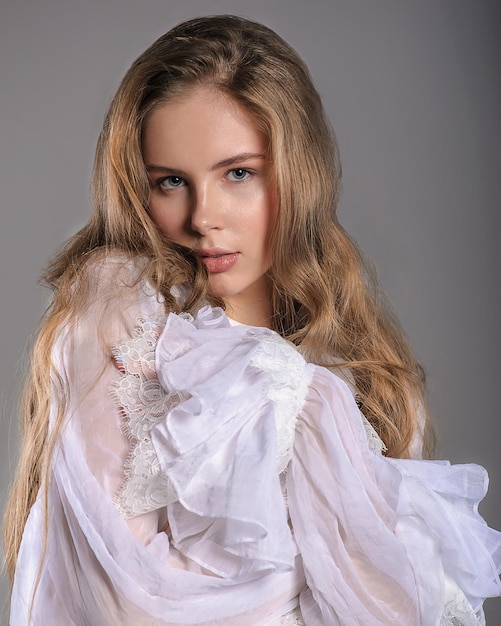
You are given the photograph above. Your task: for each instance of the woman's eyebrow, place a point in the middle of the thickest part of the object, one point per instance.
(233, 160)
(238, 158)
(162, 168)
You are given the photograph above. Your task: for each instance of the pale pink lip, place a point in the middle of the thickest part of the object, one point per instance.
(217, 260)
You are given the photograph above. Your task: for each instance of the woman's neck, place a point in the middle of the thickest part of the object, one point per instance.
(250, 311)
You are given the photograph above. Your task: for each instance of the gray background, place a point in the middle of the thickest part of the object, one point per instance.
(413, 90)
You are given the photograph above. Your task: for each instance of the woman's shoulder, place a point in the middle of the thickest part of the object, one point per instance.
(115, 267)
(115, 283)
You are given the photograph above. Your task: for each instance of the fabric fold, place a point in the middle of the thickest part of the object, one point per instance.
(218, 445)
(379, 536)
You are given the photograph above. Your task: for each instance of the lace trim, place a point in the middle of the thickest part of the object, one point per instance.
(142, 402)
(458, 612)
(293, 618)
(287, 388)
(374, 441)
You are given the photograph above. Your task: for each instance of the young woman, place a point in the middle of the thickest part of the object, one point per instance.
(224, 424)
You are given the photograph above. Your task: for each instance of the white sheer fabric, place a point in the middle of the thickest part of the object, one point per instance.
(166, 498)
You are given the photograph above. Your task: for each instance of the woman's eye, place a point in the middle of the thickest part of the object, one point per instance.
(171, 182)
(238, 174)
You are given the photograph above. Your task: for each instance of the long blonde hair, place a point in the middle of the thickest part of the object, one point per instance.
(324, 298)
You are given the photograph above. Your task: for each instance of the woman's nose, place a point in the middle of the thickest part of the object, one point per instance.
(206, 213)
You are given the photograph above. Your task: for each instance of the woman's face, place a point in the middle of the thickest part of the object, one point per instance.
(212, 191)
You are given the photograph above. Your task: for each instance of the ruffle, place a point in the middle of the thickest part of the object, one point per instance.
(143, 402)
(225, 443)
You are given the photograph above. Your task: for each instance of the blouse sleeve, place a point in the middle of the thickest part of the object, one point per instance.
(383, 540)
(84, 358)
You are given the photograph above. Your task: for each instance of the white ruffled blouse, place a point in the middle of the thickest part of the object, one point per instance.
(207, 474)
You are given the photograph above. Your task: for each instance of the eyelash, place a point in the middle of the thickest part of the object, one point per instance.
(240, 169)
(161, 182)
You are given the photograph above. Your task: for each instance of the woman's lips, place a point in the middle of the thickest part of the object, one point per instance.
(217, 261)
